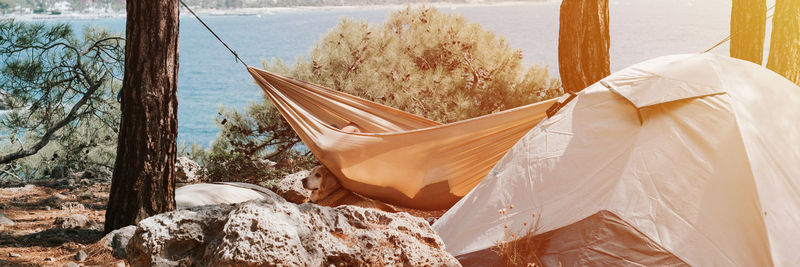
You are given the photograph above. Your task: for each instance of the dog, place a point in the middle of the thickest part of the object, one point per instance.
(326, 191)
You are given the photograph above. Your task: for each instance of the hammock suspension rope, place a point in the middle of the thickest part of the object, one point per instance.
(238, 59)
(731, 35)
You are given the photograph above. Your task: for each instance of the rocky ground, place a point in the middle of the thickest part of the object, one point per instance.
(55, 222)
(58, 222)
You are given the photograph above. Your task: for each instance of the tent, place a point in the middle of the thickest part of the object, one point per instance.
(686, 159)
(398, 157)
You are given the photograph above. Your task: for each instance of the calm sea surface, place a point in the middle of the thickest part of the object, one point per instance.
(209, 77)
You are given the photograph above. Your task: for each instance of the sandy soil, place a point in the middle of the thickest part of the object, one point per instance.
(34, 239)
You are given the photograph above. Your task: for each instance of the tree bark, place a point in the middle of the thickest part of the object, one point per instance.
(748, 23)
(142, 184)
(784, 50)
(583, 43)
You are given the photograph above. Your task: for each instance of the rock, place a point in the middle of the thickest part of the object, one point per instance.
(75, 221)
(287, 163)
(56, 199)
(265, 164)
(68, 183)
(87, 195)
(272, 231)
(71, 205)
(59, 171)
(291, 188)
(4, 220)
(13, 255)
(97, 173)
(49, 259)
(71, 246)
(71, 264)
(18, 188)
(81, 256)
(118, 240)
(120, 264)
(188, 171)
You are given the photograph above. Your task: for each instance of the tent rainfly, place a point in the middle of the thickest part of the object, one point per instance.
(679, 160)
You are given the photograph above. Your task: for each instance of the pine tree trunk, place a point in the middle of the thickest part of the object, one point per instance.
(748, 23)
(784, 50)
(142, 184)
(583, 43)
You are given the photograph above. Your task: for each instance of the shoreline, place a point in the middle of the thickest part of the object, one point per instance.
(262, 10)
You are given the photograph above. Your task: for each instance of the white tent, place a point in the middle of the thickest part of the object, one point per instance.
(686, 159)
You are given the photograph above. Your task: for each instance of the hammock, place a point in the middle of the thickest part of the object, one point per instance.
(398, 158)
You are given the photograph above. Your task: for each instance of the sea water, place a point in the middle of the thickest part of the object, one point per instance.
(209, 77)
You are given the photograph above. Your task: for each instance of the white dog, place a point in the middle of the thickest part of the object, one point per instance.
(327, 191)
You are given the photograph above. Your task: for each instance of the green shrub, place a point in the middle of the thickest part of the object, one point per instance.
(432, 64)
(248, 143)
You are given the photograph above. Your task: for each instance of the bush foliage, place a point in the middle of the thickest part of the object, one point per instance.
(419, 60)
(432, 64)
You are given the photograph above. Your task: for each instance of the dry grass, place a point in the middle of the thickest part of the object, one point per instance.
(519, 249)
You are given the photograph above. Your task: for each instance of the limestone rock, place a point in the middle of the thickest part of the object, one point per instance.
(76, 221)
(4, 220)
(118, 240)
(71, 205)
(56, 199)
(274, 232)
(59, 171)
(81, 256)
(187, 171)
(98, 173)
(291, 188)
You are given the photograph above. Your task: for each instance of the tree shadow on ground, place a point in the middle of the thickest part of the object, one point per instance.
(52, 237)
(17, 263)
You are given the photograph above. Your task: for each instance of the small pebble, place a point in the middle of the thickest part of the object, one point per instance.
(81, 256)
(49, 259)
(71, 264)
(13, 255)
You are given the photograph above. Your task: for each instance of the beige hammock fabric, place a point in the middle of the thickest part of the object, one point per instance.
(398, 157)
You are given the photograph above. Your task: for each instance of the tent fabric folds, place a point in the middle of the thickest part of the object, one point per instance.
(398, 158)
(693, 158)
